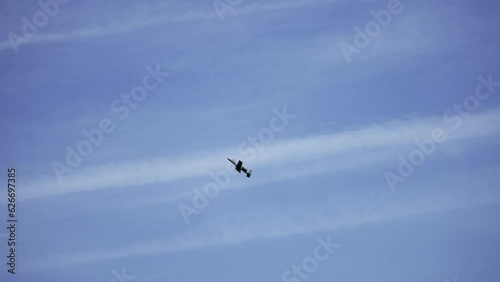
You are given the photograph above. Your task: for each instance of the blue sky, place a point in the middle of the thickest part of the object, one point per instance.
(215, 83)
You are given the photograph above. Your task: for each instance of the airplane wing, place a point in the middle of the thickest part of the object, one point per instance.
(239, 166)
(232, 161)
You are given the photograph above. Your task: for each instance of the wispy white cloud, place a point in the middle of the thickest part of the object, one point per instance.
(125, 21)
(257, 224)
(348, 144)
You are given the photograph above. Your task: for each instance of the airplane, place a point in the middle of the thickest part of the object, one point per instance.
(239, 167)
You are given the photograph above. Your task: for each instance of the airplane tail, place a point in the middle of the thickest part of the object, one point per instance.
(249, 173)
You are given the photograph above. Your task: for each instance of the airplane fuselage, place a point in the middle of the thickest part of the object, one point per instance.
(239, 167)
